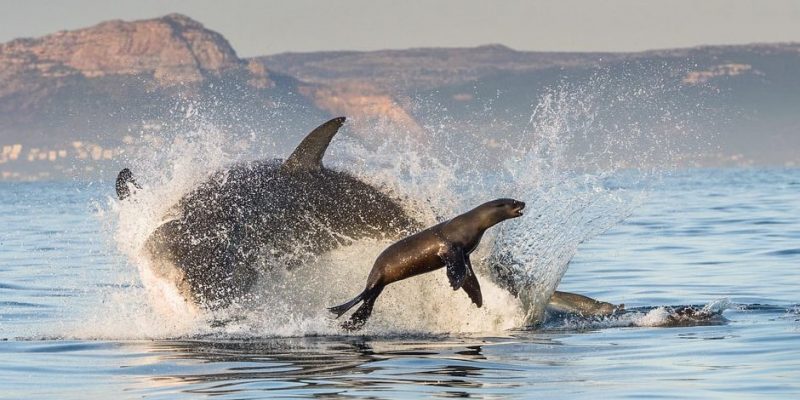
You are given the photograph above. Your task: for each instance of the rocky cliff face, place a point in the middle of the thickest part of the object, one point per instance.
(87, 92)
(173, 49)
(422, 69)
(743, 98)
(99, 84)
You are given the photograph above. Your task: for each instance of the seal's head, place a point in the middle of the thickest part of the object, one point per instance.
(124, 178)
(499, 210)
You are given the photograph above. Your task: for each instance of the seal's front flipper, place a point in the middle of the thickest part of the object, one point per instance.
(473, 289)
(456, 264)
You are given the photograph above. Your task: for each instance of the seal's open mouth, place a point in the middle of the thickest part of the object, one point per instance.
(518, 209)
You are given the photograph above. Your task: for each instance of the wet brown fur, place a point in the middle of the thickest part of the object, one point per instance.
(447, 244)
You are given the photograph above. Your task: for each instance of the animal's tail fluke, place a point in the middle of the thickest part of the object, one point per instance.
(341, 309)
(124, 182)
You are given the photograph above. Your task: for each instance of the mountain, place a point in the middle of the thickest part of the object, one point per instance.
(745, 99)
(75, 101)
(425, 68)
(82, 94)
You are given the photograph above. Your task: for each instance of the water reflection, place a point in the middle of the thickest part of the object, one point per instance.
(322, 366)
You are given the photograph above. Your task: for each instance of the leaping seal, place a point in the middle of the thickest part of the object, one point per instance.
(447, 244)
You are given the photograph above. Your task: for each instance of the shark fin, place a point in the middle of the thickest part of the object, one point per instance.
(308, 155)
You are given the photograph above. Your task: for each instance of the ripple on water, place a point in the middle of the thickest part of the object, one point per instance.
(784, 252)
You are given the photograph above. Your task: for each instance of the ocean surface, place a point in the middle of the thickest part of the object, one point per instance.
(724, 239)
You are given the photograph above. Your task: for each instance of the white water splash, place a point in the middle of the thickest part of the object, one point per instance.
(567, 165)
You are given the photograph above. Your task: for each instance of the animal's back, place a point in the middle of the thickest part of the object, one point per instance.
(254, 215)
(411, 256)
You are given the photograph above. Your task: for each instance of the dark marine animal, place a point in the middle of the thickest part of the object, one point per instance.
(262, 213)
(256, 214)
(447, 245)
(564, 302)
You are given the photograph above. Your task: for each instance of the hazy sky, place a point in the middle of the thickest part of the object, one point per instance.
(267, 27)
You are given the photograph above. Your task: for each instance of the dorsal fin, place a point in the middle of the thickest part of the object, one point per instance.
(308, 155)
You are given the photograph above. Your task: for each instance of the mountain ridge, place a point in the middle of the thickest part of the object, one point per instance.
(101, 86)
(105, 84)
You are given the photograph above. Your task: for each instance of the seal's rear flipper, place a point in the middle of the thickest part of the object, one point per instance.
(359, 318)
(341, 309)
(124, 178)
(308, 154)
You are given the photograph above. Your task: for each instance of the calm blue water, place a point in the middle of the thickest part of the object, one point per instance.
(699, 237)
